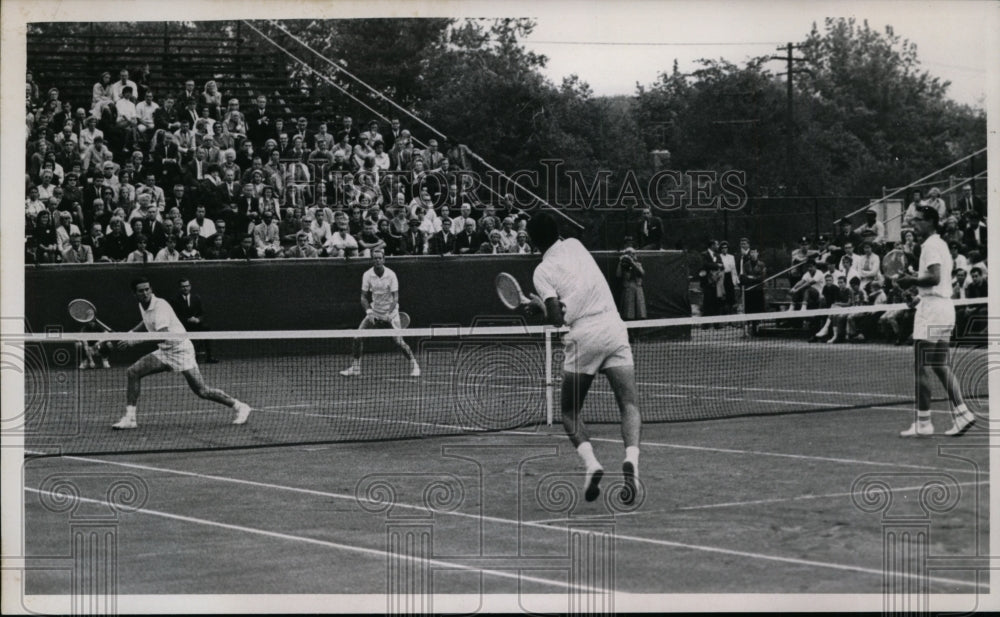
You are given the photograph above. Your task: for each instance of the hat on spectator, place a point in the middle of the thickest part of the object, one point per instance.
(871, 212)
(414, 220)
(724, 244)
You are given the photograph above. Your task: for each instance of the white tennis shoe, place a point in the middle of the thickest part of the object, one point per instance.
(918, 429)
(127, 422)
(963, 422)
(416, 370)
(351, 371)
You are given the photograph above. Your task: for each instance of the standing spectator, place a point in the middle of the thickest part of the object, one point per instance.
(708, 276)
(259, 125)
(211, 99)
(631, 273)
(191, 312)
(754, 273)
(730, 279)
(650, 231)
(742, 255)
(188, 96)
(145, 110)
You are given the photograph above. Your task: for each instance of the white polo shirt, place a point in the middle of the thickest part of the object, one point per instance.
(569, 272)
(159, 315)
(382, 288)
(934, 250)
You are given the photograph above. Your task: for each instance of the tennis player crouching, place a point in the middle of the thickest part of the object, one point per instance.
(575, 293)
(380, 299)
(932, 326)
(173, 355)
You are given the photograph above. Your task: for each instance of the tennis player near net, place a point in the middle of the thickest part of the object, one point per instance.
(175, 354)
(575, 293)
(380, 299)
(932, 326)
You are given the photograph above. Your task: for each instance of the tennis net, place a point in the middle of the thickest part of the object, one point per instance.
(483, 378)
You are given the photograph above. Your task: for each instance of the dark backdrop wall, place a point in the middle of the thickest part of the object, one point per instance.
(321, 294)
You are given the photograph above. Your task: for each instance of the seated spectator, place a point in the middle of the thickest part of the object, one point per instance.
(960, 281)
(897, 324)
(77, 252)
(508, 236)
(845, 240)
(959, 261)
(830, 291)
(934, 200)
(386, 235)
(911, 210)
(140, 254)
(413, 241)
(301, 248)
(949, 230)
(200, 225)
(169, 251)
(341, 242)
(319, 229)
(869, 266)
(971, 320)
(466, 242)
(64, 230)
(116, 239)
(95, 240)
(443, 242)
(976, 260)
(245, 249)
(215, 249)
(974, 232)
(968, 203)
(33, 205)
(523, 247)
(799, 258)
(267, 236)
(863, 326)
(494, 246)
(836, 323)
(806, 292)
(846, 268)
(910, 249)
(872, 231)
(101, 95)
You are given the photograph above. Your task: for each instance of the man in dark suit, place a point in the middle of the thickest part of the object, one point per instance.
(413, 239)
(968, 203)
(156, 236)
(189, 310)
(229, 192)
(247, 206)
(650, 231)
(443, 242)
(180, 199)
(390, 137)
(350, 129)
(974, 232)
(467, 241)
(259, 124)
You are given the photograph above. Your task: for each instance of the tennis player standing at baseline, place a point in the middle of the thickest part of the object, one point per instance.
(380, 299)
(575, 293)
(932, 327)
(175, 354)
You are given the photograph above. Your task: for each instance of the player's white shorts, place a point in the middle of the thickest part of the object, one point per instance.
(934, 319)
(376, 320)
(596, 343)
(178, 356)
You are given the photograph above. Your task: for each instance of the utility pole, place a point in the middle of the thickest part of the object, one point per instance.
(789, 111)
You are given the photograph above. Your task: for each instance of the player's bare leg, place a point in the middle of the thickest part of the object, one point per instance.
(144, 366)
(414, 366)
(922, 355)
(574, 390)
(197, 384)
(939, 359)
(622, 379)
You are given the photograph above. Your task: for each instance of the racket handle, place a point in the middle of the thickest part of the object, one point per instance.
(103, 325)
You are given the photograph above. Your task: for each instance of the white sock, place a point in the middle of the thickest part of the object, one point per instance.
(586, 452)
(962, 410)
(130, 410)
(632, 455)
(924, 416)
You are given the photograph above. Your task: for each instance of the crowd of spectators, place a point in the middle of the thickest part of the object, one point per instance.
(136, 175)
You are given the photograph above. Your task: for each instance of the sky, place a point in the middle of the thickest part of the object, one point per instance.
(613, 46)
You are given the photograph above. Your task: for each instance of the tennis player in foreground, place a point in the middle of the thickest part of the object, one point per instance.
(572, 290)
(173, 355)
(932, 326)
(380, 299)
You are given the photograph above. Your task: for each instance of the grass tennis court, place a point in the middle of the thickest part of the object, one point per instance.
(739, 504)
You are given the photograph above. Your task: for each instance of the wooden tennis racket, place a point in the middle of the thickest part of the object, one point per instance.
(894, 264)
(510, 291)
(84, 311)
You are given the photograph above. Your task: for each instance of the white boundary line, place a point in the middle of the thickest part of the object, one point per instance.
(506, 521)
(344, 547)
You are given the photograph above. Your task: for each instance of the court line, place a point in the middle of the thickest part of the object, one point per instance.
(808, 497)
(561, 528)
(809, 457)
(346, 547)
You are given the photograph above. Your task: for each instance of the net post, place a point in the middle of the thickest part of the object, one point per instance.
(548, 377)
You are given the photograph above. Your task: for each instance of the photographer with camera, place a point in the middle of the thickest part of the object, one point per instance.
(630, 272)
